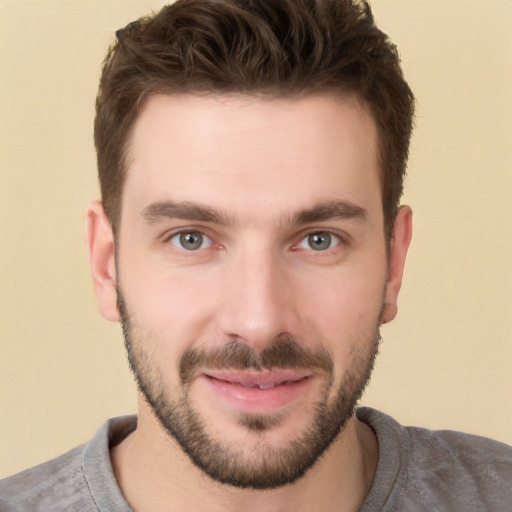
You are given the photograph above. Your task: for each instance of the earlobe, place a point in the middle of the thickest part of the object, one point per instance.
(400, 241)
(99, 240)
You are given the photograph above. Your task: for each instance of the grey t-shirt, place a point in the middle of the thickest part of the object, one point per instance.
(419, 470)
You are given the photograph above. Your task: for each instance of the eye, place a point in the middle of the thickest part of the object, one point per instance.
(190, 240)
(319, 241)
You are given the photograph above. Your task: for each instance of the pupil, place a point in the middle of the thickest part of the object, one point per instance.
(320, 241)
(191, 240)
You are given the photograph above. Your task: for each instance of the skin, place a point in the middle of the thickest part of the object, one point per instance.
(256, 163)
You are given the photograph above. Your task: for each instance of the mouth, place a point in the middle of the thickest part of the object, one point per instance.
(258, 391)
(259, 379)
(264, 386)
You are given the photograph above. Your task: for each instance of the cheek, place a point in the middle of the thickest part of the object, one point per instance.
(345, 300)
(343, 315)
(174, 305)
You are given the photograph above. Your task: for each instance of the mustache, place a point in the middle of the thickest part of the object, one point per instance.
(282, 353)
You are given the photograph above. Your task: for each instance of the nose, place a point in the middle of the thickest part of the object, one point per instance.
(258, 302)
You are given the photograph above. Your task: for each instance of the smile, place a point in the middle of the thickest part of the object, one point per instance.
(258, 392)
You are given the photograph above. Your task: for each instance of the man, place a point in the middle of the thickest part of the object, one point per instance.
(249, 239)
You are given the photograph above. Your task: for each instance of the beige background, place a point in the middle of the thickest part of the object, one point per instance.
(446, 361)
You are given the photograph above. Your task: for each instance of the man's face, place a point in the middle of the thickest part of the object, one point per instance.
(251, 272)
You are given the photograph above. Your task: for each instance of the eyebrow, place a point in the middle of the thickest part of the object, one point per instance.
(186, 210)
(328, 210)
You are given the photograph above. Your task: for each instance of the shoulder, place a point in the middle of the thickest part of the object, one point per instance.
(441, 469)
(461, 471)
(445, 448)
(451, 460)
(57, 484)
(81, 480)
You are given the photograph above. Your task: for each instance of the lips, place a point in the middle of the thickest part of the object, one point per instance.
(258, 392)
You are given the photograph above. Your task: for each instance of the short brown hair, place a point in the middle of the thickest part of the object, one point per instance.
(272, 47)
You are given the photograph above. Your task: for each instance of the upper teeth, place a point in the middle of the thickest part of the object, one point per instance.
(267, 386)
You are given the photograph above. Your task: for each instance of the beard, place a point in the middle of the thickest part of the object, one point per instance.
(272, 466)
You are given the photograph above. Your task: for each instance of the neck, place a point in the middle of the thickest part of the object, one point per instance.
(155, 475)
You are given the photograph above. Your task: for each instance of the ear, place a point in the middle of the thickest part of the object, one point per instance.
(402, 234)
(99, 241)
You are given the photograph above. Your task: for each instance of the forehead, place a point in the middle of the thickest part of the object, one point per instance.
(248, 152)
